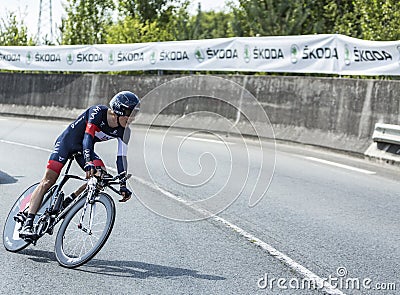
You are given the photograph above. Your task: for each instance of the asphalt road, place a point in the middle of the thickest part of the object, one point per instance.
(325, 215)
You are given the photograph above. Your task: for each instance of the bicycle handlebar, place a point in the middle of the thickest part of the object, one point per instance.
(122, 177)
(107, 180)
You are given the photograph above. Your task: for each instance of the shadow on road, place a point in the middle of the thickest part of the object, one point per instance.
(127, 269)
(39, 255)
(6, 179)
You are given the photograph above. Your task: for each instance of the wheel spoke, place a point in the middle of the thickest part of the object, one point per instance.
(82, 243)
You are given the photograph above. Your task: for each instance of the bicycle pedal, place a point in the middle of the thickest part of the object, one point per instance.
(29, 237)
(30, 240)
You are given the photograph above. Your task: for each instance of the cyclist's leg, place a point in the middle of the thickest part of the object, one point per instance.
(54, 165)
(56, 162)
(48, 180)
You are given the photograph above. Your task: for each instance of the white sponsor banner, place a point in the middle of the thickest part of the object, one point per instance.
(361, 57)
(330, 54)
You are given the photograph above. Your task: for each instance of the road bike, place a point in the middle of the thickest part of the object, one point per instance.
(86, 222)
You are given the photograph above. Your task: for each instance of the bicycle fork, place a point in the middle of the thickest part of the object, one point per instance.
(89, 200)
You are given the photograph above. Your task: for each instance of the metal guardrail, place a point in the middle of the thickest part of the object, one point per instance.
(386, 133)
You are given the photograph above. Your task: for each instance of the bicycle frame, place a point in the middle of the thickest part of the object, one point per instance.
(88, 218)
(52, 214)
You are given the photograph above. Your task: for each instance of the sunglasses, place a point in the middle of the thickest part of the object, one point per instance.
(129, 113)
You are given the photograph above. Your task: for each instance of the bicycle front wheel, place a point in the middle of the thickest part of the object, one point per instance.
(77, 242)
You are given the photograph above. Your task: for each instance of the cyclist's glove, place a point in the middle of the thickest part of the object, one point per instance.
(128, 193)
(89, 166)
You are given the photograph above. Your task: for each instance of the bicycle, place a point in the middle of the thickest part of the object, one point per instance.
(87, 221)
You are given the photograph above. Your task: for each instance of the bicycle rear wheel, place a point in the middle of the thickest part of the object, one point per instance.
(77, 245)
(11, 240)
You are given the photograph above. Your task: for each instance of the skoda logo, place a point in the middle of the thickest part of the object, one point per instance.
(111, 57)
(70, 59)
(398, 48)
(246, 53)
(347, 55)
(29, 58)
(294, 53)
(153, 58)
(199, 54)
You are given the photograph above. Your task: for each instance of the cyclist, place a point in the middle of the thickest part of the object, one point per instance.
(97, 123)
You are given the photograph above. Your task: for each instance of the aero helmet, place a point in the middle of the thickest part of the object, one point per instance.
(124, 103)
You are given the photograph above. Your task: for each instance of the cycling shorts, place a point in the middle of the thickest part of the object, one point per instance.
(63, 151)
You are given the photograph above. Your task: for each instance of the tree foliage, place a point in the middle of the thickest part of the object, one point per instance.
(132, 30)
(150, 10)
(211, 24)
(269, 17)
(87, 21)
(13, 32)
(377, 20)
(135, 21)
(364, 19)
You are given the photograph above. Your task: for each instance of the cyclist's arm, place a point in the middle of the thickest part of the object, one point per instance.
(122, 163)
(92, 125)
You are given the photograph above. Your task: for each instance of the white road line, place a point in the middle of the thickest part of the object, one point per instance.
(26, 145)
(340, 165)
(204, 139)
(293, 265)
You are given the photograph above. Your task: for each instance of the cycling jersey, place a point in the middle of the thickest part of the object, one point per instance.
(80, 136)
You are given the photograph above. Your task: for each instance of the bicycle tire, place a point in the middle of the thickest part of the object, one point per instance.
(11, 240)
(69, 231)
